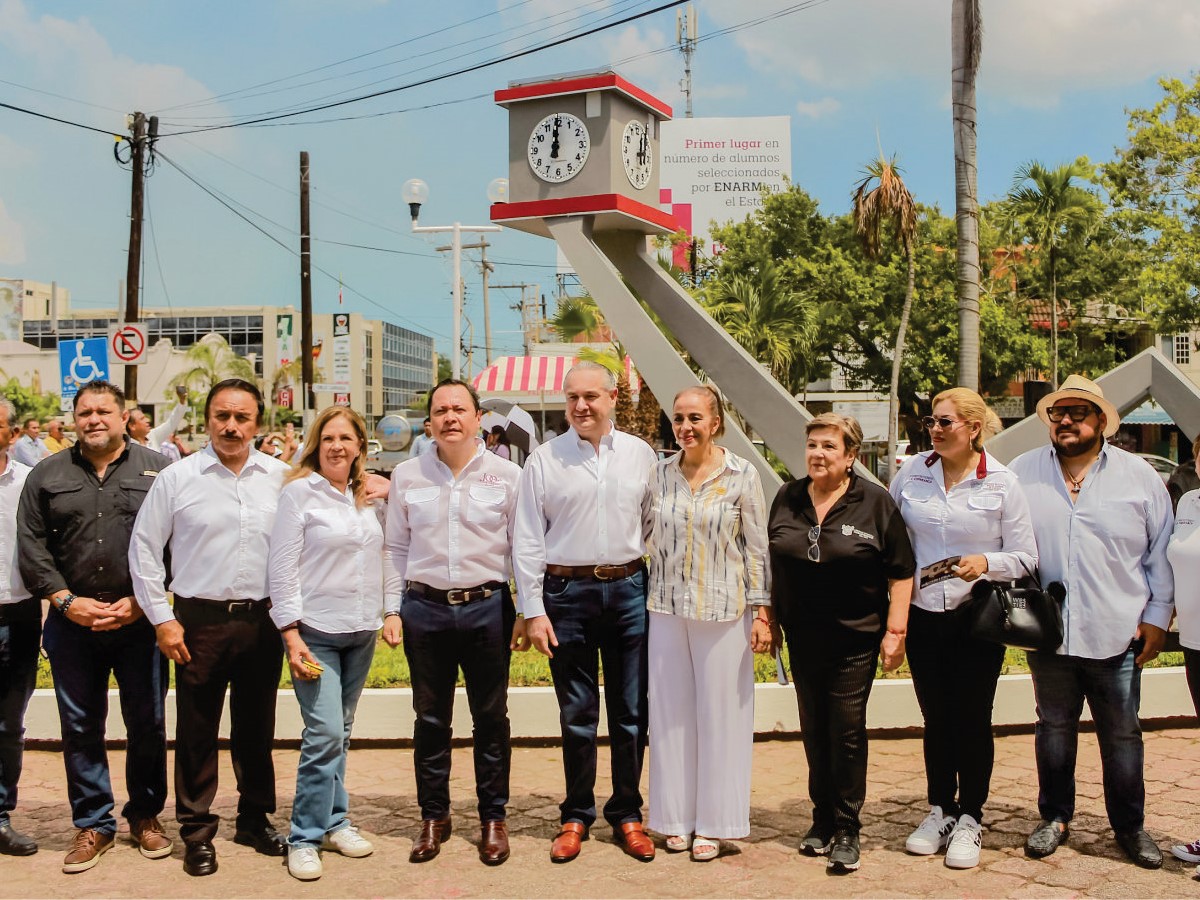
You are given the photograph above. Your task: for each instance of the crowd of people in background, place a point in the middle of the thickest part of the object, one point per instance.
(253, 555)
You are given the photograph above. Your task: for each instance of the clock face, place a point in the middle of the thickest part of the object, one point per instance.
(558, 147)
(636, 154)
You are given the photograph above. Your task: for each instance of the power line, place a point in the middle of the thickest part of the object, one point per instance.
(31, 112)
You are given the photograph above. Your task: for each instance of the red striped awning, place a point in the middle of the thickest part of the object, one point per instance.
(535, 374)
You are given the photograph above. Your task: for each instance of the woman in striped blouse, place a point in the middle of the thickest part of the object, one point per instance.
(709, 608)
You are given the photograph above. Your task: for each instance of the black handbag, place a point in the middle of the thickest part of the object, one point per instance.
(1018, 614)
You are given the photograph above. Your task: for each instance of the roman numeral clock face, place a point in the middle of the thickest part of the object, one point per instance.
(558, 147)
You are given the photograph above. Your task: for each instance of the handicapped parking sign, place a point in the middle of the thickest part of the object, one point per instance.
(81, 360)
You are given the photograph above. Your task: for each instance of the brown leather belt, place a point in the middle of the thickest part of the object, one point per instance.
(598, 572)
(455, 596)
(232, 607)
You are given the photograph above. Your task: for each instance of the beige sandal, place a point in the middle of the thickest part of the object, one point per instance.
(704, 849)
(677, 843)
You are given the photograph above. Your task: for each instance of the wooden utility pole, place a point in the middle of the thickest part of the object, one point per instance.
(487, 268)
(306, 335)
(137, 144)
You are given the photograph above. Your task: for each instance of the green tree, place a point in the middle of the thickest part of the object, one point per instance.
(1050, 206)
(29, 404)
(889, 202)
(213, 360)
(966, 46)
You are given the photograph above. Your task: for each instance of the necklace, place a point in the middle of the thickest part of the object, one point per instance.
(1076, 483)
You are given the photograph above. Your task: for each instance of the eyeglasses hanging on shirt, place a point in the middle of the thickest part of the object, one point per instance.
(814, 549)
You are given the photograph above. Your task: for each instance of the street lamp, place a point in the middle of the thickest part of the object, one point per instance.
(415, 192)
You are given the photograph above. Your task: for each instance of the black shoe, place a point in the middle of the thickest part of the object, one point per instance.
(1046, 838)
(263, 838)
(816, 842)
(843, 852)
(13, 843)
(199, 858)
(1140, 848)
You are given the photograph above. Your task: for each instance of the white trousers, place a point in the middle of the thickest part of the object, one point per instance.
(701, 698)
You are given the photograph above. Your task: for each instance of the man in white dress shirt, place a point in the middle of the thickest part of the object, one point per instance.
(141, 430)
(581, 581)
(214, 512)
(1102, 519)
(446, 566)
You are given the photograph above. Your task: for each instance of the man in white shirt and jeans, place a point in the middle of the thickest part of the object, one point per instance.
(214, 511)
(446, 567)
(1102, 519)
(581, 581)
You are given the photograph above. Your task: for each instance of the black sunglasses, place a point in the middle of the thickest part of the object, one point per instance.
(1077, 413)
(943, 422)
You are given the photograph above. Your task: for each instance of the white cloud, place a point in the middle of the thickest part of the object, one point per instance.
(12, 239)
(817, 108)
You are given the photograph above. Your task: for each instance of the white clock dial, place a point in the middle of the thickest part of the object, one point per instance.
(559, 147)
(636, 154)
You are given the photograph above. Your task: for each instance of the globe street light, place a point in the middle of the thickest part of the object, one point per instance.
(415, 192)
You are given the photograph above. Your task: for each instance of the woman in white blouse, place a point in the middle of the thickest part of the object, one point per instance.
(709, 608)
(967, 518)
(326, 576)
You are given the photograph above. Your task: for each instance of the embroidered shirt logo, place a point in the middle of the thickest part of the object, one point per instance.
(489, 478)
(848, 530)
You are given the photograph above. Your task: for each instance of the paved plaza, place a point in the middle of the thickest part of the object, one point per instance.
(767, 865)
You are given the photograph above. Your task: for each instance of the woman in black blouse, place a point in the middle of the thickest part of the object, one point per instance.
(842, 568)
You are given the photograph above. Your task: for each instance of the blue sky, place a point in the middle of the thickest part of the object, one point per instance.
(1055, 82)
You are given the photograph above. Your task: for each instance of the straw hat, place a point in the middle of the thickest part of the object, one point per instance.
(1076, 387)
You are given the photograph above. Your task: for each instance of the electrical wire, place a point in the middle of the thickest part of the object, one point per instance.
(40, 115)
(154, 247)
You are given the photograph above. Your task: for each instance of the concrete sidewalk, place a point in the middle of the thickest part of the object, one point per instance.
(766, 865)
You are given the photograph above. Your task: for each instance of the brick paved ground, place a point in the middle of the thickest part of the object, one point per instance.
(766, 865)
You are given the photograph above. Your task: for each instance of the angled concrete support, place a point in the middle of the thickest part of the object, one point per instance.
(657, 360)
(1149, 374)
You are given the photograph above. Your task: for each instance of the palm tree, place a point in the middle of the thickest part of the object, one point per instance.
(966, 44)
(213, 360)
(1053, 209)
(889, 202)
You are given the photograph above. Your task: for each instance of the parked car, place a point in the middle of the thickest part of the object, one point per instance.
(383, 461)
(1163, 466)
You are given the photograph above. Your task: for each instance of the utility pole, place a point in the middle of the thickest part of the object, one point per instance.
(487, 268)
(306, 336)
(531, 325)
(686, 33)
(137, 148)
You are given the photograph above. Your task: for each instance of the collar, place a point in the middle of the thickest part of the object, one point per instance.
(480, 449)
(208, 459)
(79, 459)
(10, 468)
(321, 483)
(980, 470)
(606, 439)
(732, 461)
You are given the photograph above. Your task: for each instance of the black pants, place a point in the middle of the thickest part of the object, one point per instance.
(1191, 662)
(954, 676)
(834, 668)
(240, 652)
(438, 639)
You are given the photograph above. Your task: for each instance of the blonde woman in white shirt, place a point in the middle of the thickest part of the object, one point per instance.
(709, 608)
(967, 518)
(326, 576)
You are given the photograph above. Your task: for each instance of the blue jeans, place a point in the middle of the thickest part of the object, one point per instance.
(598, 621)
(438, 639)
(81, 661)
(1113, 690)
(327, 705)
(20, 638)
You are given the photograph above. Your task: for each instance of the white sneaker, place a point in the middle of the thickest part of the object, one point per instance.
(304, 863)
(931, 835)
(966, 840)
(348, 842)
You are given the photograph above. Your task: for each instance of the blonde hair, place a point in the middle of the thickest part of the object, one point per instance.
(310, 455)
(716, 407)
(971, 408)
(848, 426)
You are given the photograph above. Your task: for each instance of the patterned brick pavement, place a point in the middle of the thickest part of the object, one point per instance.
(765, 865)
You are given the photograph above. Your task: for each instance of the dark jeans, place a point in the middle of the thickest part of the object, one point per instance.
(834, 669)
(594, 622)
(20, 638)
(438, 639)
(81, 661)
(1113, 690)
(242, 653)
(1191, 662)
(954, 676)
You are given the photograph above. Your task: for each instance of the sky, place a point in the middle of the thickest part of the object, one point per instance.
(856, 76)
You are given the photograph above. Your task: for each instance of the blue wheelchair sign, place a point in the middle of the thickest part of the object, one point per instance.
(81, 360)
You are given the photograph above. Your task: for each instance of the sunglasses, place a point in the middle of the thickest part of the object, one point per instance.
(1077, 413)
(943, 422)
(814, 549)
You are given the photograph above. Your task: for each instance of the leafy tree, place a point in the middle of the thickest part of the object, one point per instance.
(888, 202)
(213, 360)
(966, 46)
(28, 403)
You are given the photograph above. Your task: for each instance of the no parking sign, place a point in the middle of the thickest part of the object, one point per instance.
(127, 343)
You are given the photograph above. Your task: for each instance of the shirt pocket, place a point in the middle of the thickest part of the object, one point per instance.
(64, 505)
(422, 505)
(485, 505)
(133, 494)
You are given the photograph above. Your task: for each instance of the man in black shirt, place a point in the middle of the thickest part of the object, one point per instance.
(73, 525)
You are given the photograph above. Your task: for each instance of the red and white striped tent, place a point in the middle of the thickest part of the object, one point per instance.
(535, 375)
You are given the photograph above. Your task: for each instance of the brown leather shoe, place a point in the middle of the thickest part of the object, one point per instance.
(429, 843)
(636, 842)
(86, 850)
(493, 843)
(567, 842)
(148, 834)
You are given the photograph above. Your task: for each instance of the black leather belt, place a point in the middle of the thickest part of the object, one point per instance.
(232, 607)
(598, 572)
(456, 596)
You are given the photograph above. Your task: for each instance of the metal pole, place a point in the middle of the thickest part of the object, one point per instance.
(308, 400)
(456, 335)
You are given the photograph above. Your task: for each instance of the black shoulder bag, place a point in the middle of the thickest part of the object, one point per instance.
(1018, 614)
